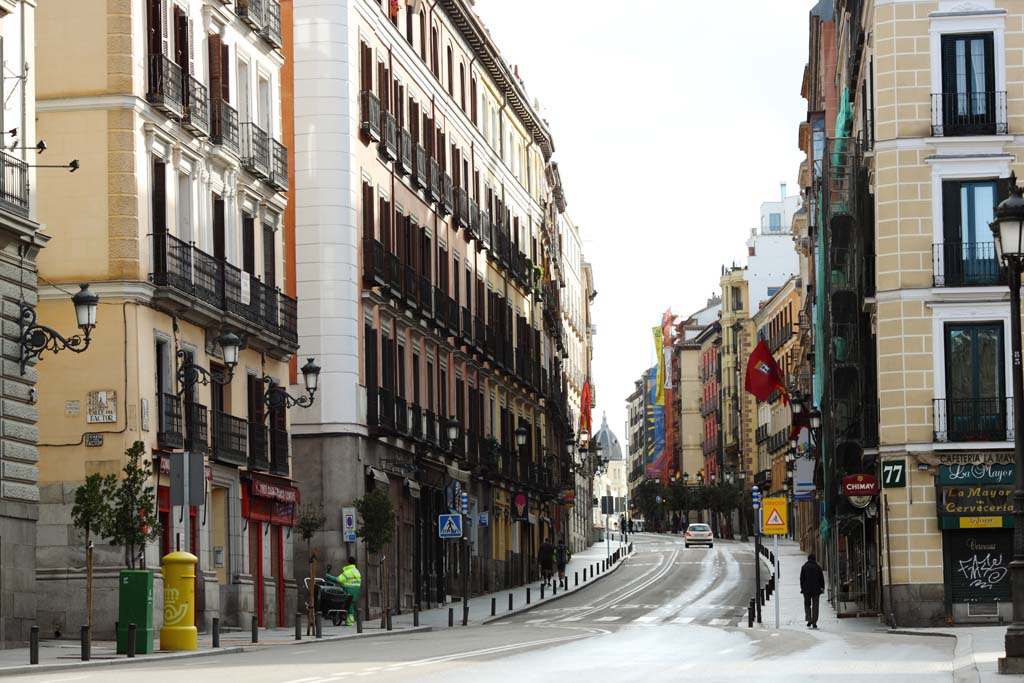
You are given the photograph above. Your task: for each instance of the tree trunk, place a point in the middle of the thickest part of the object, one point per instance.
(311, 594)
(383, 589)
(88, 581)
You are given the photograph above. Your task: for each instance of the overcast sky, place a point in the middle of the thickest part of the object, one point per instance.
(673, 120)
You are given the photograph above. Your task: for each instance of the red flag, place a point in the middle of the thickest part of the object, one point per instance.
(394, 5)
(763, 373)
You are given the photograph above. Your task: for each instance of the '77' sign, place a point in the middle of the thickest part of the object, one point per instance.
(894, 474)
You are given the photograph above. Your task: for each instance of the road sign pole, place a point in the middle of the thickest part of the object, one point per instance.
(756, 498)
(775, 545)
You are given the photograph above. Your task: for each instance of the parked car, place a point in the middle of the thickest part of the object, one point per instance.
(699, 534)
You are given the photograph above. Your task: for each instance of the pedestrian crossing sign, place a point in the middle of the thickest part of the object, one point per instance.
(449, 526)
(775, 521)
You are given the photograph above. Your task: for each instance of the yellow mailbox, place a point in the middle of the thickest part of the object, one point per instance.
(179, 628)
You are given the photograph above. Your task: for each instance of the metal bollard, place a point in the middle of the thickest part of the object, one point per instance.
(494, 606)
(33, 645)
(255, 629)
(528, 593)
(576, 578)
(509, 602)
(389, 618)
(215, 628)
(359, 620)
(318, 625)
(465, 613)
(451, 617)
(132, 635)
(86, 645)
(750, 614)
(415, 616)
(554, 589)
(542, 591)
(298, 626)
(760, 596)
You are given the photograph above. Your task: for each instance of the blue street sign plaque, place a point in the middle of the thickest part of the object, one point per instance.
(449, 526)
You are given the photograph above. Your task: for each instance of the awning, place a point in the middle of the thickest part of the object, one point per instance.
(458, 475)
(413, 488)
(377, 475)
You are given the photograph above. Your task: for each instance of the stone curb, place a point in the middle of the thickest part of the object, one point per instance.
(555, 598)
(965, 667)
(208, 652)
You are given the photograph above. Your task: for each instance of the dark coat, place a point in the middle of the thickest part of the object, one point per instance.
(546, 555)
(812, 579)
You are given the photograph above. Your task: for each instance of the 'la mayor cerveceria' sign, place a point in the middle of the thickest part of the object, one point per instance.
(973, 501)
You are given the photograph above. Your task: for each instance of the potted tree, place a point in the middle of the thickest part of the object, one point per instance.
(310, 520)
(133, 524)
(377, 528)
(92, 514)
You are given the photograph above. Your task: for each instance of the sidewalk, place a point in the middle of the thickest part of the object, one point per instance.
(977, 647)
(480, 605)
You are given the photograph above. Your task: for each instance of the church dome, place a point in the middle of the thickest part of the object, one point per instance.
(610, 449)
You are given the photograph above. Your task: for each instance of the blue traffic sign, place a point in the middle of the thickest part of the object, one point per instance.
(449, 526)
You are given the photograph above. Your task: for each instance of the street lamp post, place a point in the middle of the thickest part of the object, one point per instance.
(1008, 233)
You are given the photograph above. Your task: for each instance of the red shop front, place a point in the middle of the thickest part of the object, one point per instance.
(269, 505)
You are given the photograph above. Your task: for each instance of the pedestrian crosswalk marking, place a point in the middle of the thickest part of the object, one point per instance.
(682, 620)
(608, 619)
(718, 622)
(645, 620)
(573, 619)
(536, 621)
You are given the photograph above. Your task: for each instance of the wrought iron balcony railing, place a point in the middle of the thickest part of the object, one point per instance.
(969, 113)
(169, 433)
(165, 91)
(230, 439)
(224, 124)
(255, 149)
(196, 115)
(966, 264)
(973, 419)
(279, 165)
(369, 114)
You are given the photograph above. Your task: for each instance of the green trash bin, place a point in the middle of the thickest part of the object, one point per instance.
(135, 606)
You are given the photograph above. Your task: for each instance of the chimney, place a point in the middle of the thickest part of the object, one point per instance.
(783, 186)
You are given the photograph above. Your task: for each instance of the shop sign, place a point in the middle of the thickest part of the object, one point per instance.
(979, 564)
(977, 457)
(264, 489)
(979, 473)
(520, 507)
(568, 498)
(976, 501)
(860, 485)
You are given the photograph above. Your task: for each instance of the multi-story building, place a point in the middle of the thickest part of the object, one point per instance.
(19, 490)
(710, 375)
(175, 218)
(694, 409)
(635, 439)
(430, 270)
(736, 407)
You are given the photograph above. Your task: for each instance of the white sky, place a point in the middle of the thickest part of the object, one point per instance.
(673, 120)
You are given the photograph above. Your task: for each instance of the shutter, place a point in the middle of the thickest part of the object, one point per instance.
(370, 357)
(248, 244)
(159, 197)
(225, 73)
(164, 47)
(949, 65)
(990, 70)
(213, 44)
(951, 229)
(191, 37)
(180, 55)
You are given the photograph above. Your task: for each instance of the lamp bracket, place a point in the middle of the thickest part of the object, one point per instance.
(36, 338)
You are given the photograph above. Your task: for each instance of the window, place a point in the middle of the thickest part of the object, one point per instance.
(185, 207)
(975, 392)
(462, 86)
(449, 72)
(248, 243)
(473, 101)
(434, 68)
(967, 256)
(775, 222)
(969, 102)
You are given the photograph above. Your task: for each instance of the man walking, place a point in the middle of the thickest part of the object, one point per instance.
(812, 585)
(562, 556)
(546, 557)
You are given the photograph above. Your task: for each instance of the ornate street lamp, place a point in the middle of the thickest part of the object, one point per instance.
(452, 429)
(521, 436)
(277, 397)
(36, 338)
(191, 373)
(815, 416)
(686, 478)
(1008, 232)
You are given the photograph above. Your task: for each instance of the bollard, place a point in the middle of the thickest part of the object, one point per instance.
(750, 614)
(33, 645)
(86, 645)
(133, 634)
(318, 625)
(298, 626)
(576, 578)
(494, 606)
(554, 589)
(760, 596)
(416, 616)
(359, 620)
(389, 618)
(451, 617)
(528, 593)
(216, 632)
(465, 613)
(509, 602)
(255, 629)
(542, 591)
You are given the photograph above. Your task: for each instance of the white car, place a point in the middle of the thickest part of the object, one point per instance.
(699, 534)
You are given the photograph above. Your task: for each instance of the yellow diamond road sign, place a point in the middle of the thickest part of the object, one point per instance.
(774, 519)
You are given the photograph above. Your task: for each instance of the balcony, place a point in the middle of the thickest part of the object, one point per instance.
(229, 439)
(467, 326)
(966, 264)
(196, 114)
(403, 167)
(374, 267)
(380, 409)
(13, 184)
(278, 165)
(485, 229)
(169, 430)
(279, 452)
(416, 426)
(426, 298)
(394, 275)
(258, 457)
(479, 335)
(184, 274)
(369, 115)
(440, 308)
(165, 86)
(973, 419)
(224, 124)
(389, 144)
(272, 23)
(447, 205)
(462, 208)
(410, 286)
(434, 177)
(255, 149)
(401, 416)
(969, 113)
(430, 427)
(196, 427)
(251, 12)
(419, 163)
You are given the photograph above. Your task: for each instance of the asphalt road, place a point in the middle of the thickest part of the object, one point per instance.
(669, 614)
